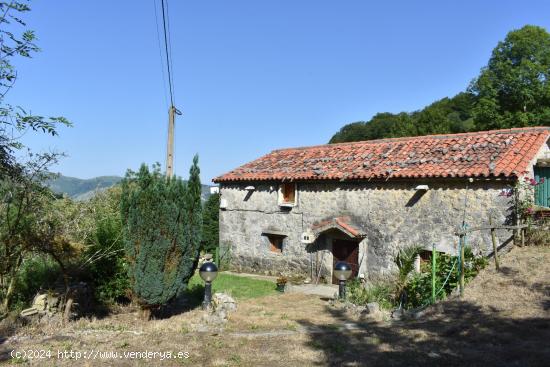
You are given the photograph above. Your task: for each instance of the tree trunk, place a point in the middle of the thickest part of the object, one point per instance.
(145, 313)
(67, 311)
(11, 286)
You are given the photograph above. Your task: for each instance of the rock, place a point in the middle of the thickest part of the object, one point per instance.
(222, 301)
(397, 314)
(29, 312)
(434, 355)
(372, 307)
(49, 305)
(216, 316)
(40, 302)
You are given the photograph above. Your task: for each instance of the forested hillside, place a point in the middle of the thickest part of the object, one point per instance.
(513, 90)
(84, 189)
(77, 188)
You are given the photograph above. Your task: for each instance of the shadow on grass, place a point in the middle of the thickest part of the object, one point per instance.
(190, 299)
(454, 333)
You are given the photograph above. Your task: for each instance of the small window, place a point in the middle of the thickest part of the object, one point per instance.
(275, 243)
(287, 194)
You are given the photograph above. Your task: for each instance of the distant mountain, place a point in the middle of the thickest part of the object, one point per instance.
(83, 189)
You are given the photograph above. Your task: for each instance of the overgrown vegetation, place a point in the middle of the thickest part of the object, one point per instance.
(410, 289)
(104, 259)
(29, 225)
(382, 293)
(538, 236)
(513, 90)
(419, 286)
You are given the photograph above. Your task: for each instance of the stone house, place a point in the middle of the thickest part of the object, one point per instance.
(299, 210)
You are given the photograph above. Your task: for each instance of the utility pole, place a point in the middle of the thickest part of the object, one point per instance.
(172, 112)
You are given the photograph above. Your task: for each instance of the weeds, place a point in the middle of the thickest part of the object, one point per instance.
(382, 293)
(537, 236)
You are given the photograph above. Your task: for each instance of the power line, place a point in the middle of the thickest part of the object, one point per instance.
(170, 47)
(166, 48)
(160, 54)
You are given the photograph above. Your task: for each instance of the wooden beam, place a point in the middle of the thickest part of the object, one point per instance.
(494, 240)
(489, 227)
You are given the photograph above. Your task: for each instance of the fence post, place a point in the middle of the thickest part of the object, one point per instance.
(494, 239)
(433, 272)
(462, 245)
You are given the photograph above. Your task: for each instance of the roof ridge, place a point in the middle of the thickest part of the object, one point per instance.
(423, 137)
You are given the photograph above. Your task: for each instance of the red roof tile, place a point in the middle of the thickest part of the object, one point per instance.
(343, 224)
(504, 153)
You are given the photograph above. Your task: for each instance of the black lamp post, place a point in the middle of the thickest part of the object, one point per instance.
(342, 272)
(208, 272)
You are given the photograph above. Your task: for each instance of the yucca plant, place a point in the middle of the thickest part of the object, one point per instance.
(405, 263)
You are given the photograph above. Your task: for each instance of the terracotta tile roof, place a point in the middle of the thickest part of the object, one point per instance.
(344, 224)
(504, 153)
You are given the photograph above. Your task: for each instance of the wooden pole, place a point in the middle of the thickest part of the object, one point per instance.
(170, 143)
(494, 239)
(433, 272)
(462, 244)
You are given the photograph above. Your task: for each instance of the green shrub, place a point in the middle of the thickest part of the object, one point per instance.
(107, 266)
(358, 294)
(405, 264)
(210, 224)
(37, 272)
(162, 225)
(419, 287)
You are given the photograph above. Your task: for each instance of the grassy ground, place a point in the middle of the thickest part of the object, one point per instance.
(503, 320)
(236, 286)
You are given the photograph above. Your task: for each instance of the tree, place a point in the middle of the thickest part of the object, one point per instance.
(210, 224)
(448, 115)
(25, 227)
(33, 222)
(162, 223)
(14, 120)
(514, 88)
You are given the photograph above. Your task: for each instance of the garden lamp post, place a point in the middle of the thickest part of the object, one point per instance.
(342, 272)
(208, 272)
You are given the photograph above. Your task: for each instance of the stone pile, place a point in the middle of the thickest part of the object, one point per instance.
(217, 315)
(48, 305)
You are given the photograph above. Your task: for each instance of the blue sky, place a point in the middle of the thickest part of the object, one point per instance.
(250, 76)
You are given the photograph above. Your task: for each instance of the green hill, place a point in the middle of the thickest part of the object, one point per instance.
(83, 189)
(76, 187)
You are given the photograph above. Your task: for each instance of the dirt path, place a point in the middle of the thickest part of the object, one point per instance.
(503, 320)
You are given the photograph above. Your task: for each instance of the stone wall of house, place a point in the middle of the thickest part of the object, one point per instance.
(392, 213)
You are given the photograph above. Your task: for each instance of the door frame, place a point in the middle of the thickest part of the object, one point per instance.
(355, 266)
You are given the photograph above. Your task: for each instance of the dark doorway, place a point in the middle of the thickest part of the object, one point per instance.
(348, 251)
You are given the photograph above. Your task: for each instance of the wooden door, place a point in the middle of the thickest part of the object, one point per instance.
(348, 251)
